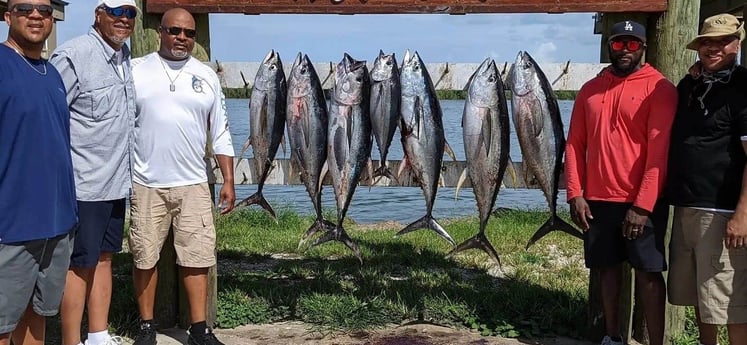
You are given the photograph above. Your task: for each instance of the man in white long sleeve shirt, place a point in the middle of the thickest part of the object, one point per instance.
(179, 100)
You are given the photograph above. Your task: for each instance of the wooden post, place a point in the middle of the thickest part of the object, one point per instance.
(674, 29)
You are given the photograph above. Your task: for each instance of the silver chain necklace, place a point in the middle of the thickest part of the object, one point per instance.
(172, 88)
(23, 57)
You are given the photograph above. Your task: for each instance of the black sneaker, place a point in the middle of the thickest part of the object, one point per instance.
(203, 339)
(147, 334)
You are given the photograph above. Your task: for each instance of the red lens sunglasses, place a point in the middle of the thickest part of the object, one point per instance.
(632, 46)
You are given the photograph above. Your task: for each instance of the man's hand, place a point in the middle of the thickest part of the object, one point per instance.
(634, 223)
(227, 198)
(580, 213)
(736, 231)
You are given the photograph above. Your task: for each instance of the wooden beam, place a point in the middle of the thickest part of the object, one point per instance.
(713, 7)
(406, 6)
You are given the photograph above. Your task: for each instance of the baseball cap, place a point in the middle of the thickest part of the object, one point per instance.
(117, 3)
(716, 26)
(628, 28)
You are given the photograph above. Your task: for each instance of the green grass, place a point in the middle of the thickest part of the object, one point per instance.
(408, 279)
(264, 277)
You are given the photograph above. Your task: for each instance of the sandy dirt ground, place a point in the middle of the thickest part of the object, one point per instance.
(297, 333)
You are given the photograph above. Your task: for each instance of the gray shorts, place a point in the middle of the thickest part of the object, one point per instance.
(32, 272)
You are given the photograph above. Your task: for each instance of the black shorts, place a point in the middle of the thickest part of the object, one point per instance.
(605, 246)
(100, 230)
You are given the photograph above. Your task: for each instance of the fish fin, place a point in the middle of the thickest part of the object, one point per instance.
(512, 171)
(402, 167)
(449, 151)
(370, 171)
(282, 144)
(320, 224)
(552, 224)
(479, 241)
(258, 199)
(418, 115)
(427, 222)
(263, 117)
(384, 171)
(537, 120)
(305, 122)
(341, 145)
(322, 176)
(487, 129)
(243, 149)
(290, 169)
(462, 178)
(339, 234)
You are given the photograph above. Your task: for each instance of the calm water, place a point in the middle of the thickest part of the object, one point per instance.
(403, 204)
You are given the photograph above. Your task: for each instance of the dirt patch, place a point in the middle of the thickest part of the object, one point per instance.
(298, 333)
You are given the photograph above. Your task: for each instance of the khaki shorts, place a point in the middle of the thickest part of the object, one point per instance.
(188, 209)
(702, 272)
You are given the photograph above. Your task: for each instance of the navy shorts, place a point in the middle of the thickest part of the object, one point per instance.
(100, 230)
(605, 246)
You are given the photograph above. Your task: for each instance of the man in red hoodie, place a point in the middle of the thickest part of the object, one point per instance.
(615, 167)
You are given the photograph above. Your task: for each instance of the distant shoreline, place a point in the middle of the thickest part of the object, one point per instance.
(442, 94)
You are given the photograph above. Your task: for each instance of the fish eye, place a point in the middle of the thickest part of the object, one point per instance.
(389, 62)
(358, 79)
(272, 67)
(491, 79)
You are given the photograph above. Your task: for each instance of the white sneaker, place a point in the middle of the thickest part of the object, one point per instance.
(608, 341)
(115, 340)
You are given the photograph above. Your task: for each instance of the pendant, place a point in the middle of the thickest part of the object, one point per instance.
(172, 88)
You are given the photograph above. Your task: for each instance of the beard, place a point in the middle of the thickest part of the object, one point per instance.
(621, 67)
(179, 54)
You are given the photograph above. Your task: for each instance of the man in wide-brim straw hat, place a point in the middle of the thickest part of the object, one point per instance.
(707, 157)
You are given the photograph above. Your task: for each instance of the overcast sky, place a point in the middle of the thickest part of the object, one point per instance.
(437, 37)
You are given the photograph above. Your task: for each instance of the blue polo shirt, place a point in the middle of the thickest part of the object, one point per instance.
(37, 189)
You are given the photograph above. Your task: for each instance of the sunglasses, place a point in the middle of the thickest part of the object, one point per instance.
(127, 12)
(632, 46)
(28, 9)
(176, 31)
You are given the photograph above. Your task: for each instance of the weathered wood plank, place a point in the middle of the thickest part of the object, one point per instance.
(446, 75)
(282, 174)
(407, 6)
(674, 29)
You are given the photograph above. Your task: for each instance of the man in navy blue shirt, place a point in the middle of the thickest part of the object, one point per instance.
(37, 192)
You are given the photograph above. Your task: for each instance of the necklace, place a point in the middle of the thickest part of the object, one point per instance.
(44, 64)
(172, 88)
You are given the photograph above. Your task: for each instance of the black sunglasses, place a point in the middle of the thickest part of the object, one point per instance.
(176, 31)
(128, 12)
(28, 9)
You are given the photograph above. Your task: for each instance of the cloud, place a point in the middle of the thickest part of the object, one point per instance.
(439, 38)
(545, 53)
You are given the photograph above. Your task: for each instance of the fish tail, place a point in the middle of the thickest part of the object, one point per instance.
(427, 222)
(339, 234)
(479, 241)
(320, 224)
(554, 223)
(384, 171)
(258, 199)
